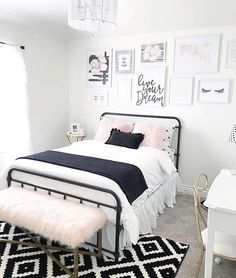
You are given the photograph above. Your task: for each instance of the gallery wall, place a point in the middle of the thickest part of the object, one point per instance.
(46, 61)
(206, 126)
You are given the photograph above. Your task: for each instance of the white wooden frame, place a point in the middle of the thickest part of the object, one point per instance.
(197, 54)
(214, 90)
(181, 91)
(231, 54)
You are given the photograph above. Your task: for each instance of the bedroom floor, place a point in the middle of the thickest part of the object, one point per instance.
(179, 224)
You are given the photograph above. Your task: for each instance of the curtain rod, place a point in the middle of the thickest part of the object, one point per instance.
(21, 46)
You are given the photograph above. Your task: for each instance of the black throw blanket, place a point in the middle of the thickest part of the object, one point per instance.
(129, 177)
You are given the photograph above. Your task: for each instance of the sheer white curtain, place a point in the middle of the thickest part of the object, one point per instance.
(15, 138)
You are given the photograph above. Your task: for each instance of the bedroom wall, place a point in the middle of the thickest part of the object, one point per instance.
(46, 60)
(206, 127)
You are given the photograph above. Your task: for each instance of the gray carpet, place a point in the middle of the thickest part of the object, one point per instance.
(179, 224)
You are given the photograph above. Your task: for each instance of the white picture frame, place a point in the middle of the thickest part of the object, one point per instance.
(124, 90)
(74, 128)
(99, 97)
(153, 53)
(197, 54)
(181, 91)
(124, 61)
(99, 68)
(214, 90)
(231, 54)
(149, 87)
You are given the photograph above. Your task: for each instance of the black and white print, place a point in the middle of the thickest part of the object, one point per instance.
(149, 87)
(124, 61)
(152, 257)
(214, 90)
(99, 68)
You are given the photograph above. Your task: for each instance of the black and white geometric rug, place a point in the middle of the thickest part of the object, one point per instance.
(152, 257)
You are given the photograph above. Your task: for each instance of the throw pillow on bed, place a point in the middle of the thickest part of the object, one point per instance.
(106, 125)
(157, 136)
(124, 139)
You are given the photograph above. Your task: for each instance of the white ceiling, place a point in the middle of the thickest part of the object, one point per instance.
(134, 16)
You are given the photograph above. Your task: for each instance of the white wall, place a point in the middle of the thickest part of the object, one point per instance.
(206, 127)
(46, 59)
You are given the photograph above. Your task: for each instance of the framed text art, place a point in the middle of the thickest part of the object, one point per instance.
(153, 53)
(124, 60)
(149, 87)
(99, 67)
(181, 91)
(197, 54)
(231, 54)
(214, 90)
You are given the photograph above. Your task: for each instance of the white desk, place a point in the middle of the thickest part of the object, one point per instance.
(221, 201)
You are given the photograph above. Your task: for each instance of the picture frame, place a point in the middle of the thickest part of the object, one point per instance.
(99, 97)
(124, 61)
(181, 91)
(99, 67)
(149, 87)
(153, 53)
(124, 90)
(197, 54)
(214, 91)
(74, 128)
(231, 54)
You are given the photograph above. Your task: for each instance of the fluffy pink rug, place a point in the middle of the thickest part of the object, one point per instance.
(67, 222)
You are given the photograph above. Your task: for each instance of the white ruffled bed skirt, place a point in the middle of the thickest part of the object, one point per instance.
(147, 212)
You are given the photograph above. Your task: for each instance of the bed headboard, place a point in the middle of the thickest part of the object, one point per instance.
(167, 119)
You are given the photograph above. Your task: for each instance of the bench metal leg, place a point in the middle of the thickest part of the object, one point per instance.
(75, 251)
(76, 262)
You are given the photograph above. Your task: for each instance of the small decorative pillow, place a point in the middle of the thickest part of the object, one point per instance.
(106, 125)
(155, 135)
(124, 139)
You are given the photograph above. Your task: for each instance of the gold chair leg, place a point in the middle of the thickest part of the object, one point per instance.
(199, 263)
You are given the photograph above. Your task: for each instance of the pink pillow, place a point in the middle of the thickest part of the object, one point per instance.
(106, 125)
(155, 135)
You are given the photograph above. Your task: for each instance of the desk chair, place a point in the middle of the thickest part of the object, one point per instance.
(225, 244)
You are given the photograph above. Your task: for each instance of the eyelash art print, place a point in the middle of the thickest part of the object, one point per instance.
(220, 91)
(205, 91)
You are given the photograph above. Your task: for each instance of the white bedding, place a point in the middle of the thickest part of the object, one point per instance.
(155, 165)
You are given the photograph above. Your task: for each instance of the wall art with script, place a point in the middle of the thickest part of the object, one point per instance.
(99, 67)
(149, 87)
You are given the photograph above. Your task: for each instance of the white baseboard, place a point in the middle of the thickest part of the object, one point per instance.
(188, 189)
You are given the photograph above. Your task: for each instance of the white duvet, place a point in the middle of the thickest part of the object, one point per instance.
(155, 165)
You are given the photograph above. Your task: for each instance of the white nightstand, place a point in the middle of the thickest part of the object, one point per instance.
(74, 137)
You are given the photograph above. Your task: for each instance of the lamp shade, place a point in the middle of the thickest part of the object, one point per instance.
(93, 15)
(232, 137)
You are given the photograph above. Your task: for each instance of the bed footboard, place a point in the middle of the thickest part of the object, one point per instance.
(117, 207)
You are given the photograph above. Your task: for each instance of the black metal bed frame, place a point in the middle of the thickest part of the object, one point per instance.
(178, 127)
(117, 207)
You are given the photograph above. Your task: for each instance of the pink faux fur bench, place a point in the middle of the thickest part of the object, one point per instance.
(66, 222)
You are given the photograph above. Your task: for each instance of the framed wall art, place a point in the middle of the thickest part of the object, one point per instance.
(99, 98)
(99, 67)
(124, 61)
(197, 54)
(214, 90)
(153, 53)
(231, 54)
(124, 89)
(181, 90)
(149, 87)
